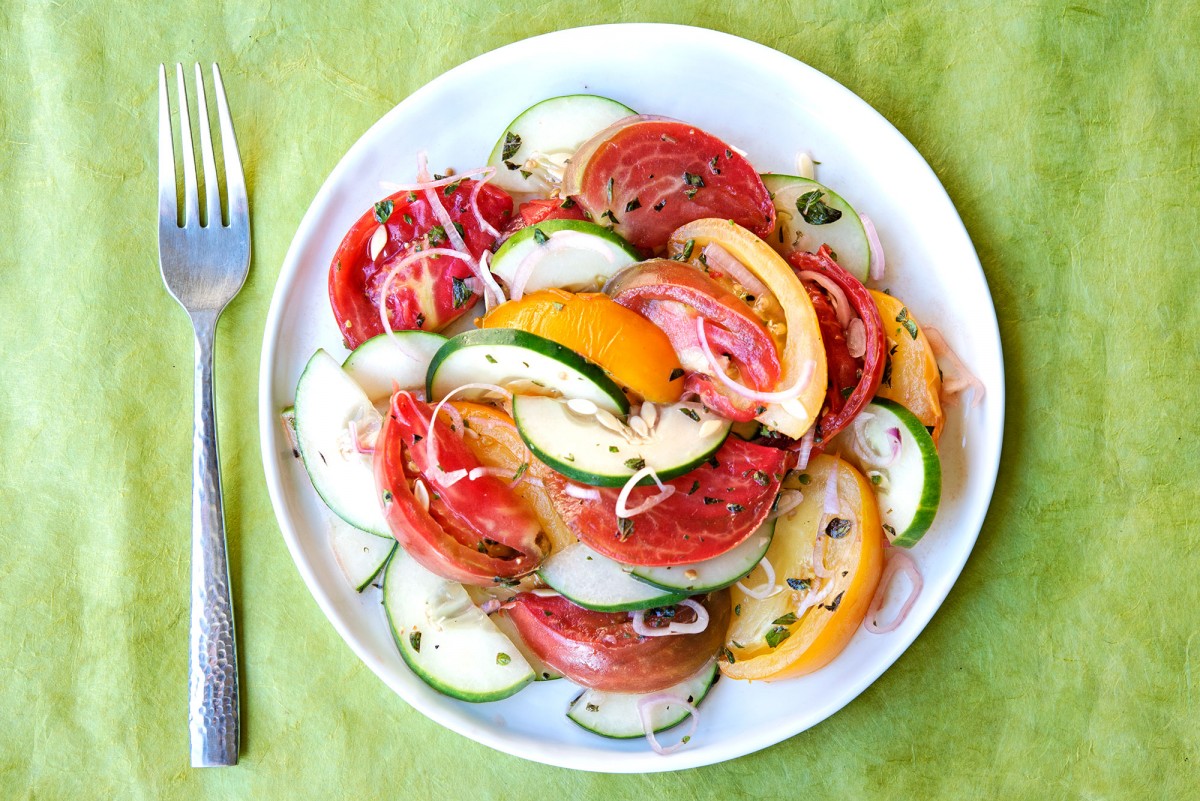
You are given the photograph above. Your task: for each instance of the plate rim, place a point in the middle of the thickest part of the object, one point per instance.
(568, 755)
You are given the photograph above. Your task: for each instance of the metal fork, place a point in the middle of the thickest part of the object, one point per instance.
(204, 266)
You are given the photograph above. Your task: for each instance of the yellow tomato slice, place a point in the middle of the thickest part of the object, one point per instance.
(762, 640)
(492, 437)
(634, 351)
(915, 381)
(802, 342)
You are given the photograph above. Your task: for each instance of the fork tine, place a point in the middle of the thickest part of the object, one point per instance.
(167, 204)
(235, 179)
(191, 198)
(212, 192)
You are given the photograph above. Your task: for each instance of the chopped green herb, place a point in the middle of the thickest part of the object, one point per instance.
(539, 236)
(608, 213)
(525, 173)
(512, 143)
(458, 227)
(907, 322)
(503, 658)
(876, 479)
(833, 605)
(570, 457)
(691, 193)
(569, 203)
(761, 478)
(777, 635)
(814, 210)
(660, 205)
(728, 153)
(593, 708)
(512, 166)
(437, 235)
(383, 210)
(462, 292)
(735, 507)
(886, 378)
(412, 196)
(729, 657)
(690, 413)
(558, 306)
(804, 478)
(737, 610)
(420, 319)
(387, 496)
(786, 620)
(608, 190)
(799, 584)
(847, 391)
(491, 359)
(613, 449)
(710, 501)
(414, 640)
(891, 530)
(686, 254)
(838, 527)
(624, 528)
(408, 219)
(520, 471)
(635, 464)
(451, 188)
(676, 374)
(633, 205)
(695, 486)
(712, 165)
(693, 180)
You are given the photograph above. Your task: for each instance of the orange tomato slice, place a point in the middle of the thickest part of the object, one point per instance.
(492, 436)
(634, 351)
(916, 383)
(768, 638)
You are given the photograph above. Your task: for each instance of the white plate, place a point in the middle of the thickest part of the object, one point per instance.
(768, 104)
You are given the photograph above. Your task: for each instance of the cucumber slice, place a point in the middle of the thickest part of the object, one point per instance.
(379, 361)
(327, 400)
(448, 641)
(541, 671)
(596, 582)
(578, 446)
(542, 137)
(616, 714)
(711, 574)
(575, 255)
(846, 236)
(360, 554)
(908, 489)
(505, 356)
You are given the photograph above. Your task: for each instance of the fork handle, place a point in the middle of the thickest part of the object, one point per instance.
(212, 670)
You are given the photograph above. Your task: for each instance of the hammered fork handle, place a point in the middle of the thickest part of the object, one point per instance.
(212, 671)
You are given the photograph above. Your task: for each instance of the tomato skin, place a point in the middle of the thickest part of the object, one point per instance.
(671, 295)
(665, 173)
(602, 651)
(448, 538)
(696, 522)
(843, 368)
(422, 294)
(539, 210)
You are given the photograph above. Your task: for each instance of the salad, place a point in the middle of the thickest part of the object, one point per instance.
(623, 411)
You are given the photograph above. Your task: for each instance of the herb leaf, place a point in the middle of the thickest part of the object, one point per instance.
(512, 143)
(777, 635)
(786, 620)
(907, 322)
(437, 235)
(838, 527)
(814, 210)
(539, 236)
(414, 640)
(462, 292)
(633, 205)
(690, 413)
(676, 374)
(383, 210)
(799, 584)
(635, 464)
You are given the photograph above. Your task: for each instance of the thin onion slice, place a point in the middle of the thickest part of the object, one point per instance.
(768, 588)
(841, 303)
(959, 378)
(647, 704)
(874, 247)
(789, 395)
(432, 183)
(486, 175)
(804, 449)
(664, 491)
(695, 627)
(581, 492)
(430, 444)
(898, 562)
(720, 259)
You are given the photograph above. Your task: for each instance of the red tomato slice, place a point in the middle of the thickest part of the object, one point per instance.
(428, 293)
(845, 371)
(541, 209)
(475, 532)
(649, 176)
(672, 295)
(713, 510)
(601, 650)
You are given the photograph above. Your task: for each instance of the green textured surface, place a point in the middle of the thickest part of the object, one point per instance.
(1061, 665)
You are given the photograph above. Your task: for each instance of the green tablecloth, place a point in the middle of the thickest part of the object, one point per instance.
(1060, 667)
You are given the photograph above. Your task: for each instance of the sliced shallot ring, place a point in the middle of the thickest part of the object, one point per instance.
(960, 378)
(874, 248)
(487, 173)
(581, 492)
(421, 186)
(841, 303)
(644, 707)
(695, 627)
(789, 395)
(768, 588)
(898, 562)
(664, 491)
(720, 259)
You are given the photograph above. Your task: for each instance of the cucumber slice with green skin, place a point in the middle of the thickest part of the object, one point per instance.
(504, 356)
(596, 582)
(908, 489)
(684, 436)
(448, 641)
(556, 128)
(541, 671)
(377, 363)
(845, 236)
(711, 574)
(616, 715)
(360, 554)
(327, 400)
(575, 255)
